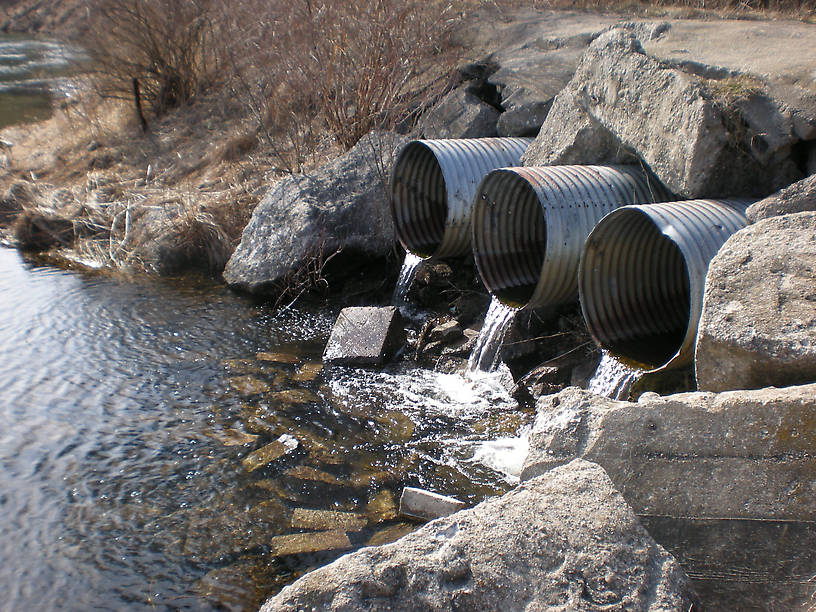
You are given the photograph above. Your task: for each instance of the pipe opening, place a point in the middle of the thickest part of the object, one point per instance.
(635, 290)
(509, 237)
(419, 200)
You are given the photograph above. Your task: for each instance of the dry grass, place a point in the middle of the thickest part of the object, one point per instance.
(236, 96)
(168, 50)
(723, 8)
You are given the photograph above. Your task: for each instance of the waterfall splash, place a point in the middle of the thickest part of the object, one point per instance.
(406, 276)
(613, 378)
(485, 355)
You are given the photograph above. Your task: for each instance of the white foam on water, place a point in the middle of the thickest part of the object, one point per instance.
(418, 391)
(504, 455)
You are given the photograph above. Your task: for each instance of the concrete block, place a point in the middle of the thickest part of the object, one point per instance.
(365, 336)
(425, 505)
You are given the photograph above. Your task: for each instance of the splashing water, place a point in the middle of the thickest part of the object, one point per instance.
(613, 378)
(505, 455)
(485, 355)
(406, 276)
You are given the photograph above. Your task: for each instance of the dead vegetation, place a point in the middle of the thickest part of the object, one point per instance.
(193, 108)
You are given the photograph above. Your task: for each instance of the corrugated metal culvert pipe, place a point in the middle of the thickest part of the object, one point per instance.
(432, 187)
(642, 277)
(529, 225)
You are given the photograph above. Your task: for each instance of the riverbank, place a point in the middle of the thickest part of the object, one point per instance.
(711, 108)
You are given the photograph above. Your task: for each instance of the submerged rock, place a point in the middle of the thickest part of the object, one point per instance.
(269, 453)
(301, 543)
(248, 385)
(758, 325)
(566, 539)
(303, 518)
(390, 534)
(305, 219)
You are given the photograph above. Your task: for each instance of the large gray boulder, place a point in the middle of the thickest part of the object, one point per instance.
(742, 454)
(758, 324)
(459, 114)
(303, 218)
(702, 136)
(726, 482)
(799, 197)
(564, 541)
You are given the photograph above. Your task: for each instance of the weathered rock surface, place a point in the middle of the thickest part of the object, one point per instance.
(758, 325)
(365, 335)
(726, 482)
(705, 132)
(566, 540)
(306, 217)
(534, 54)
(738, 454)
(781, 54)
(799, 197)
(460, 114)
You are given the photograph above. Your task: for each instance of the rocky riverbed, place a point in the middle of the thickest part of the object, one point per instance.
(713, 110)
(721, 477)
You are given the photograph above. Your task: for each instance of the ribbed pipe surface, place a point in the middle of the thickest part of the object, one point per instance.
(529, 225)
(432, 186)
(642, 276)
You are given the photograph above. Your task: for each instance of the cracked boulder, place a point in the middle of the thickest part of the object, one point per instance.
(533, 55)
(704, 131)
(741, 454)
(305, 219)
(564, 541)
(758, 324)
(726, 482)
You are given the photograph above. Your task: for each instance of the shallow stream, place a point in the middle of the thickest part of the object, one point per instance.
(133, 410)
(31, 71)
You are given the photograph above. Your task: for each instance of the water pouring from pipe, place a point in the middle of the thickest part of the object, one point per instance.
(487, 351)
(642, 277)
(410, 265)
(613, 378)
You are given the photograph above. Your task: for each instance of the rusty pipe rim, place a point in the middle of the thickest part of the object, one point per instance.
(433, 183)
(529, 225)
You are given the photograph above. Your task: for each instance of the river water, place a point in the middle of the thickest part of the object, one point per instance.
(30, 72)
(129, 409)
(158, 435)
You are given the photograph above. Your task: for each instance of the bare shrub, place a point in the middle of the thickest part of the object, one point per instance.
(351, 66)
(169, 50)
